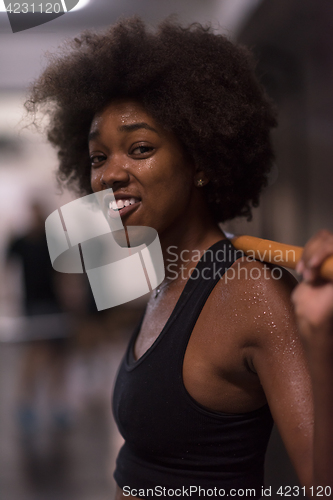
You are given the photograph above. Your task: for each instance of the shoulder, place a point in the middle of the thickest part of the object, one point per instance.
(267, 329)
(260, 294)
(249, 273)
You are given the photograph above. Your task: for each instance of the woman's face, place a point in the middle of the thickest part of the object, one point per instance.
(152, 180)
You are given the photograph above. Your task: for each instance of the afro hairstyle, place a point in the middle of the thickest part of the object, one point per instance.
(191, 80)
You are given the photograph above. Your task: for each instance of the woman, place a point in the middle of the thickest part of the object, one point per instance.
(179, 129)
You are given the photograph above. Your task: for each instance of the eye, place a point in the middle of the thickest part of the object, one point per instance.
(142, 150)
(96, 159)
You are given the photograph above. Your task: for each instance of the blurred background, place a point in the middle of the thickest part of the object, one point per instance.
(58, 356)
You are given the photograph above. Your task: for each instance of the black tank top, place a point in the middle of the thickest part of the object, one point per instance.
(171, 441)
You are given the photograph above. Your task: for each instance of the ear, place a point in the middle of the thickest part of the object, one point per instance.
(200, 178)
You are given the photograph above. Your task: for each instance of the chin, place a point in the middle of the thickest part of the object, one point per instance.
(136, 236)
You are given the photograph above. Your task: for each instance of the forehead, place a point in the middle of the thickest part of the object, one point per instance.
(122, 112)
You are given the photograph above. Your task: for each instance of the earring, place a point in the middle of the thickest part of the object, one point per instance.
(200, 183)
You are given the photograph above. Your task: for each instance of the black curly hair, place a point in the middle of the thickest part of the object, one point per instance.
(192, 81)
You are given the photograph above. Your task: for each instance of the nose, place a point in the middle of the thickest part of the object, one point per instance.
(114, 173)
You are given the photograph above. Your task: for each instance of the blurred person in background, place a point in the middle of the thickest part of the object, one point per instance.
(45, 339)
(313, 300)
(179, 128)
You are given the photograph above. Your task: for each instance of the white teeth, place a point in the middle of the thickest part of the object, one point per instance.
(119, 204)
(113, 205)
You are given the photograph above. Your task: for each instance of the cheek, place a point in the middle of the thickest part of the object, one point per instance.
(172, 173)
(95, 180)
(169, 191)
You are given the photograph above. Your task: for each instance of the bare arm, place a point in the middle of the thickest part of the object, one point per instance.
(279, 360)
(313, 300)
(272, 350)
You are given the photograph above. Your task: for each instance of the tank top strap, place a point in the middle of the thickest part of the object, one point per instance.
(205, 276)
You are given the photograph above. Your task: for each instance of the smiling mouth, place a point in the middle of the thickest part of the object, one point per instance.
(118, 205)
(121, 207)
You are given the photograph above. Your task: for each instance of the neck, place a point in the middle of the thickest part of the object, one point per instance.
(182, 246)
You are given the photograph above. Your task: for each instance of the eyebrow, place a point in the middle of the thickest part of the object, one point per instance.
(136, 126)
(93, 135)
(124, 128)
